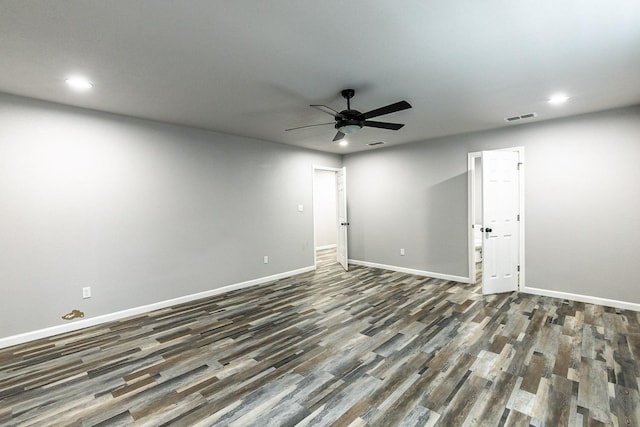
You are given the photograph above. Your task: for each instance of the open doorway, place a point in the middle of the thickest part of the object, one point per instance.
(329, 214)
(496, 219)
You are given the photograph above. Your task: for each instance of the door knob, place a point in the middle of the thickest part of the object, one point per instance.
(488, 230)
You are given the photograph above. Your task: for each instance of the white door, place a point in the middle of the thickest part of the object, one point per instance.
(343, 223)
(500, 231)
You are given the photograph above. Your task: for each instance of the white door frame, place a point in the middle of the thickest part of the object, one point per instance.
(313, 207)
(471, 218)
(342, 247)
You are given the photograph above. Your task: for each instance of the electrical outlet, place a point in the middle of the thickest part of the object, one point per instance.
(266, 259)
(300, 208)
(402, 251)
(86, 292)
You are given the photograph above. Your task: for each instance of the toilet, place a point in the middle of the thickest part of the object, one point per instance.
(477, 242)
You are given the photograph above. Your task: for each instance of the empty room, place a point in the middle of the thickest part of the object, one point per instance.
(364, 213)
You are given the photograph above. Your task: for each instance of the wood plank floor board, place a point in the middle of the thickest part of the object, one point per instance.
(367, 347)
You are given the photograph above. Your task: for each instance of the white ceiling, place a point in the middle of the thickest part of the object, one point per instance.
(252, 67)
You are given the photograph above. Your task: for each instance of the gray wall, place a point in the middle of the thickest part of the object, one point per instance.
(478, 187)
(325, 208)
(144, 212)
(140, 211)
(582, 203)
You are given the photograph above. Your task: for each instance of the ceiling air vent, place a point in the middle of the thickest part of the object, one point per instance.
(371, 144)
(523, 116)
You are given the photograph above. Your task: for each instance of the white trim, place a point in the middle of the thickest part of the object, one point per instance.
(342, 221)
(582, 298)
(326, 168)
(411, 271)
(521, 234)
(319, 248)
(313, 206)
(85, 323)
(471, 213)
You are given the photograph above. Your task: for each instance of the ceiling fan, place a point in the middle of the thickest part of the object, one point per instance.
(350, 121)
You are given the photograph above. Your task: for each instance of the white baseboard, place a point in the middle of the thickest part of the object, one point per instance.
(319, 248)
(85, 323)
(582, 298)
(411, 271)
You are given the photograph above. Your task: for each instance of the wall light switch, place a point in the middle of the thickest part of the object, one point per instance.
(402, 251)
(266, 259)
(300, 208)
(86, 292)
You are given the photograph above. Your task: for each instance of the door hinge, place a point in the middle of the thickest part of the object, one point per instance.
(518, 217)
(518, 165)
(518, 268)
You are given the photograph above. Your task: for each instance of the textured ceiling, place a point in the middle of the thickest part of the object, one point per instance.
(252, 68)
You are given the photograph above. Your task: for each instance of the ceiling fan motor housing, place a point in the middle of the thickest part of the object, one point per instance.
(349, 121)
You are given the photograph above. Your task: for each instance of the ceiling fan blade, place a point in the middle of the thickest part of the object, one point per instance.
(325, 109)
(382, 125)
(338, 136)
(391, 108)
(310, 126)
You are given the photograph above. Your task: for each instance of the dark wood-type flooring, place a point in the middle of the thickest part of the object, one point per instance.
(364, 347)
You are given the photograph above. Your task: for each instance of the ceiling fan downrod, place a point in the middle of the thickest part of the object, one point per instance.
(348, 94)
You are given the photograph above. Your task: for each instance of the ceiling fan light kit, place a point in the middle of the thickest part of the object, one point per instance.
(348, 126)
(349, 121)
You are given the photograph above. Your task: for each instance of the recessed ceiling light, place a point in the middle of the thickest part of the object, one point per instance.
(343, 143)
(558, 98)
(79, 83)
